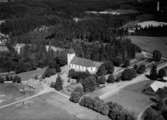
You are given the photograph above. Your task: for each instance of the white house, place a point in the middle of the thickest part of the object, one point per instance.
(158, 85)
(81, 64)
(18, 47)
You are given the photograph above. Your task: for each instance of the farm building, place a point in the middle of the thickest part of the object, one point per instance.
(81, 64)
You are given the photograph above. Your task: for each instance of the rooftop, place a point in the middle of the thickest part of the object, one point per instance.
(85, 62)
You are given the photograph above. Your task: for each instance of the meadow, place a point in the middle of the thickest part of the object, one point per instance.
(151, 43)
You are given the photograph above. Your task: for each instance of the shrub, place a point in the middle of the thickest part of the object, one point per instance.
(117, 61)
(109, 67)
(95, 104)
(135, 67)
(101, 80)
(111, 79)
(2, 80)
(89, 84)
(16, 79)
(151, 114)
(161, 73)
(141, 69)
(49, 72)
(106, 68)
(59, 84)
(153, 73)
(128, 74)
(76, 94)
(102, 70)
(126, 63)
(78, 75)
(116, 112)
(157, 55)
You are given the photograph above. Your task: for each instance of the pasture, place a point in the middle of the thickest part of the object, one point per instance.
(35, 109)
(49, 106)
(151, 43)
(132, 97)
(10, 92)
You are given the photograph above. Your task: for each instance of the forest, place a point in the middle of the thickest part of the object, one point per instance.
(152, 31)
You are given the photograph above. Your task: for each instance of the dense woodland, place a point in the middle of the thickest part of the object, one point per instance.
(152, 31)
(24, 16)
(32, 57)
(94, 37)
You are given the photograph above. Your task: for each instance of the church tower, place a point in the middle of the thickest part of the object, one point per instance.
(71, 54)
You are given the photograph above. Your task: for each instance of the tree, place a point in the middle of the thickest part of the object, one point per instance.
(117, 112)
(59, 83)
(89, 84)
(49, 72)
(71, 73)
(17, 79)
(95, 104)
(128, 74)
(152, 114)
(157, 55)
(161, 73)
(111, 79)
(117, 61)
(2, 80)
(109, 67)
(101, 80)
(76, 94)
(153, 73)
(135, 67)
(78, 75)
(141, 69)
(102, 70)
(126, 63)
(105, 68)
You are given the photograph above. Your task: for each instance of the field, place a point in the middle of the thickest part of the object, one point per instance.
(10, 93)
(36, 109)
(151, 43)
(132, 98)
(50, 106)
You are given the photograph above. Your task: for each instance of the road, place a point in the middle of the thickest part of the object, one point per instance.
(139, 117)
(114, 88)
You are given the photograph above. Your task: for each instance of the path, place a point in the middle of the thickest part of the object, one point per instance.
(139, 117)
(114, 88)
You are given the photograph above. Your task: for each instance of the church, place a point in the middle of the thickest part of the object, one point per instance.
(81, 64)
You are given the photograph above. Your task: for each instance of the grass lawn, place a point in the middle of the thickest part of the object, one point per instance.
(36, 109)
(151, 43)
(10, 93)
(132, 98)
(50, 106)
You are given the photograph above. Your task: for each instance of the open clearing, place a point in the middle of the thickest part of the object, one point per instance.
(132, 98)
(36, 109)
(50, 106)
(151, 43)
(10, 92)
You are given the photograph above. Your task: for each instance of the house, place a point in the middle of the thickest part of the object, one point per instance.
(158, 85)
(19, 47)
(3, 42)
(81, 64)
